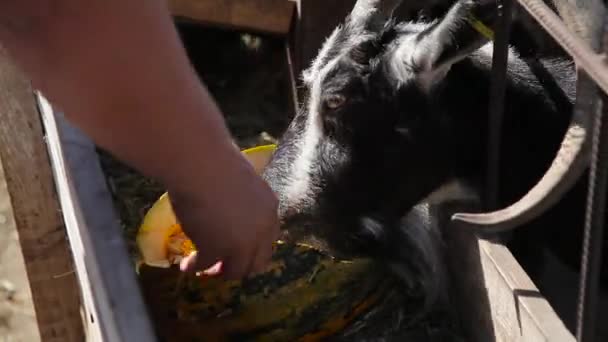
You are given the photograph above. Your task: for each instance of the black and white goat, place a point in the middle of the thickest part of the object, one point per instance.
(395, 113)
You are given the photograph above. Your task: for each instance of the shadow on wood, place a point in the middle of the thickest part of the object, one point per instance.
(497, 300)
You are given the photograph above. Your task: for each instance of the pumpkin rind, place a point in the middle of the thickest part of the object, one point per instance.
(303, 294)
(317, 299)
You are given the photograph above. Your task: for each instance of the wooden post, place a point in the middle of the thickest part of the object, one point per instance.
(17, 314)
(112, 300)
(315, 20)
(35, 209)
(264, 16)
(495, 297)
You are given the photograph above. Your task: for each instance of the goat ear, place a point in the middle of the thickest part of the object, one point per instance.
(453, 38)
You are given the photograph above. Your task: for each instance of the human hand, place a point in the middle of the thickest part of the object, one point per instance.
(231, 218)
(146, 116)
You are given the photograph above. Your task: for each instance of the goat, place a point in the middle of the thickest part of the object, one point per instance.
(395, 115)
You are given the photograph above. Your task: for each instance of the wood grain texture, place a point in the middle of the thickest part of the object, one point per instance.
(113, 303)
(36, 212)
(265, 16)
(497, 299)
(518, 309)
(17, 314)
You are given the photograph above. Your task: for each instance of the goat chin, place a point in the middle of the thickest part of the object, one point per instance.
(421, 263)
(417, 256)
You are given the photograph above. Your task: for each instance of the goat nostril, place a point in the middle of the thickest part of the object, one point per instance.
(286, 212)
(289, 212)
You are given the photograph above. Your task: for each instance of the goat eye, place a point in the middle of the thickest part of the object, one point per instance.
(334, 101)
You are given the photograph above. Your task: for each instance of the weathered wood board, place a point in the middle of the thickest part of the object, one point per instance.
(17, 314)
(35, 210)
(497, 300)
(265, 16)
(114, 306)
(314, 22)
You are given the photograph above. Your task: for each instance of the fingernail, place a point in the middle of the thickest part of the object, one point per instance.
(214, 270)
(188, 262)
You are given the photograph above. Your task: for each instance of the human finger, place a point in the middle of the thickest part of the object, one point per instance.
(262, 259)
(195, 262)
(238, 267)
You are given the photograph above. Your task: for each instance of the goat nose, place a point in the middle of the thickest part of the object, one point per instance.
(290, 211)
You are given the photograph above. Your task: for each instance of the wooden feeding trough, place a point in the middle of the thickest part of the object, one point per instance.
(65, 215)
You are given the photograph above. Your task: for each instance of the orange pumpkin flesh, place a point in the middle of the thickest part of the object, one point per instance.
(302, 295)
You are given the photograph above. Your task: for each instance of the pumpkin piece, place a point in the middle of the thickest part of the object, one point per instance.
(158, 226)
(259, 156)
(160, 239)
(311, 298)
(303, 294)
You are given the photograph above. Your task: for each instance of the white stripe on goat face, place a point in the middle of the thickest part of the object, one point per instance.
(300, 187)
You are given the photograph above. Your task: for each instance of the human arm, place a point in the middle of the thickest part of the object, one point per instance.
(119, 72)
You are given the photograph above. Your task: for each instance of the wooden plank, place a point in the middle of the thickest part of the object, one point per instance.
(41, 231)
(498, 301)
(292, 80)
(17, 314)
(315, 20)
(264, 16)
(518, 308)
(112, 297)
